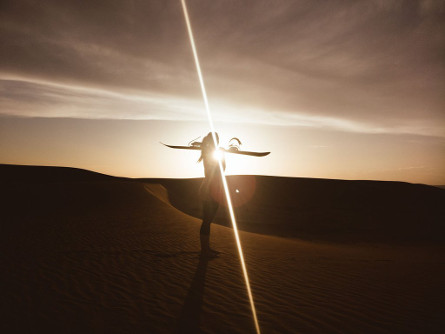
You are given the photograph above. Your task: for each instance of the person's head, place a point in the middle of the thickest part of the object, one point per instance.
(208, 145)
(207, 141)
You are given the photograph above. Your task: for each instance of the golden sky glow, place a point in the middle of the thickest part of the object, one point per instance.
(331, 89)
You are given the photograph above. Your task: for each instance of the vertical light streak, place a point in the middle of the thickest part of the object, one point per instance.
(223, 176)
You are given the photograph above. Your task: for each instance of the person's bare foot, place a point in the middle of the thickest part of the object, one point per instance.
(209, 253)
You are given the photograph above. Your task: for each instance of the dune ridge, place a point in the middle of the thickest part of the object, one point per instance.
(324, 209)
(304, 208)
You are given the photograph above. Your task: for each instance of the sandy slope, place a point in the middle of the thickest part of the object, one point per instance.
(323, 209)
(113, 256)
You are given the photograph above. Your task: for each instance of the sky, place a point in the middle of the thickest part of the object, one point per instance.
(334, 89)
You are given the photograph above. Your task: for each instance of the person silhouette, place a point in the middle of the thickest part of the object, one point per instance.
(211, 191)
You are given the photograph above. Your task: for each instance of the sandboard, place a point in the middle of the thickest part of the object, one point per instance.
(229, 150)
(183, 147)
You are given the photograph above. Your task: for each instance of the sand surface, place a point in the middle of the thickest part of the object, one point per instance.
(115, 256)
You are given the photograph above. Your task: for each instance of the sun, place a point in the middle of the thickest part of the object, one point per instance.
(218, 155)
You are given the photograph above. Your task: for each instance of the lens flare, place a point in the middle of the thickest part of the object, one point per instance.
(223, 176)
(218, 155)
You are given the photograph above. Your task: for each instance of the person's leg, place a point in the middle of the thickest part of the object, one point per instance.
(209, 211)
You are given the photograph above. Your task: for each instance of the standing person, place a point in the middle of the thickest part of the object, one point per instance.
(211, 191)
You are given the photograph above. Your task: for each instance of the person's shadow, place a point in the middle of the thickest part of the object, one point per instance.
(189, 319)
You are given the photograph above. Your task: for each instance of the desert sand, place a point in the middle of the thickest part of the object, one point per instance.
(83, 252)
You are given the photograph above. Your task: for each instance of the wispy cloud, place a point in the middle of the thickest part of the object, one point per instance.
(367, 66)
(26, 98)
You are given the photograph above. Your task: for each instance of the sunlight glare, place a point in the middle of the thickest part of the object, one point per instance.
(218, 155)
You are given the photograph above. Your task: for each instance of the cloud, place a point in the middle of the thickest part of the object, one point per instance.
(42, 99)
(363, 66)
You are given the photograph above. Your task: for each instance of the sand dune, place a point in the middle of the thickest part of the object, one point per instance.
(322, 209)
(111, 255)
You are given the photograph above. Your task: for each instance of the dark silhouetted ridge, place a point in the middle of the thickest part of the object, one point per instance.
(21, 173)
(325, 209)
(313, 209)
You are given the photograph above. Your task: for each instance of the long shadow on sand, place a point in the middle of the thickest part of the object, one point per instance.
(189, 319)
